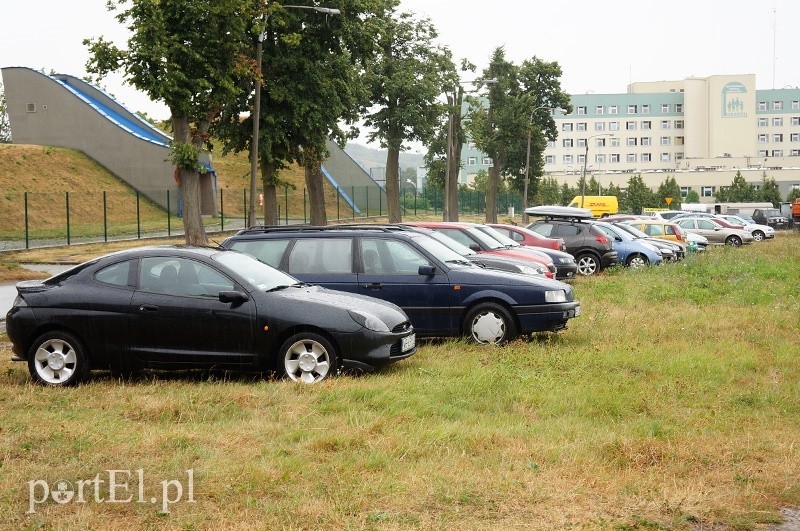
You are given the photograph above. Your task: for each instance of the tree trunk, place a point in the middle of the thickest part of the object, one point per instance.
(316, 192)
(450, 212)
(393, 185)
(268, 179)
(491, 190)
(195, 232)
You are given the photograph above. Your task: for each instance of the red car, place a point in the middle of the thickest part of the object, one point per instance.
(466, 234)
(525, 236)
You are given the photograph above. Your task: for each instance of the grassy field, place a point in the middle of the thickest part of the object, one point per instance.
(673, 402)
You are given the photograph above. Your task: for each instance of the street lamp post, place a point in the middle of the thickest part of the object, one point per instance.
(528, 163)
(585, 160)
(257, 105)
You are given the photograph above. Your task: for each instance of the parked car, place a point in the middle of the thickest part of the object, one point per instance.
(591, 247)
(186, 307)
(714, 232)
(630, 251)
(469, 234)
(443, 293)
(667, 214)
(524, 236)
(757, 231)
(771, 217)
(566, 267)
(665, 230)
(669, 250)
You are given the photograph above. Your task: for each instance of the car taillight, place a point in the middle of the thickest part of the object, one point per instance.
(601, 239)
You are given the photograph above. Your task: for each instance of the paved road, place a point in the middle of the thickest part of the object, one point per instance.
(8, 291)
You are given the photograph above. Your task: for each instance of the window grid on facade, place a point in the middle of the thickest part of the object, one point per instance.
(707, 191)
(632, 109)
(580, 110)
(600, 110)
(599, 126)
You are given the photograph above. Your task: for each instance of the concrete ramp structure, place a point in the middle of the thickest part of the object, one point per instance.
(64, 111)
(351, 181)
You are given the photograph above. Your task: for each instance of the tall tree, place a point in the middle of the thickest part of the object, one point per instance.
(5, 125)
(548, 192)
(191, 55)
(638, 195)
(740, 191)
(406, 77)
(669, 188)
(769, 191)
(513, 105)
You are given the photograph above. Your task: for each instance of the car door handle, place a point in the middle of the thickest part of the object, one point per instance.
(148, 308)
(374, 285)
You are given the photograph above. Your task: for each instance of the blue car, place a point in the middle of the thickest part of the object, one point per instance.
(630, 251)
(443, 293)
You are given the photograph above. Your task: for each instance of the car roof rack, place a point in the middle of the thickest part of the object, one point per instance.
(263, 229)
(559, 212)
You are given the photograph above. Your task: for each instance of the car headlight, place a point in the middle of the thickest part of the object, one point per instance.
(531, 270)
(368, 321)
(555, 296)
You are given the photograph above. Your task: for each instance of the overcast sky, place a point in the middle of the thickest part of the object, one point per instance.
(601, 46)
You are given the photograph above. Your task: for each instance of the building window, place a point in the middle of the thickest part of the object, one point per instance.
(777, 122)
(647, 124)
(567, 142)
(762, 105)
(646, 157)
(615, 142)
(777, 105)
(645, 141)
(581, 158)
(582, 142)
(550, 159)
(600, 158)
(678, 140)
(600, 142)
(795, 153)
(471, 161)
(631, 157)
(630, 126)
(566, 127)
(645, 109)
(613, 109)
(551, 144)
(795, 137)
(679, 107)
(666, 141)
(581, 126)
(630, 141)
(763, 122)
(613, 126)
(664, 108)
(795, 120)
(486, 161)
(567, 159)
(777, 152)
(665, 157)
(580, 110)
(678, 156)
(795, 105)
(777, 137)
(763, 138)
(632, 109)
(664, 124)
(599, 110)
(614, 157)
(707, 191)
(762, 153)
(685, 190)
(599, 126)
(678, 124)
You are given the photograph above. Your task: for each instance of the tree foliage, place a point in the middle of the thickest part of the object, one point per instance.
(548, 192)
(638, 196)
(769, 191)
(669, 188)
(406, 77)
(740, 191)
(191, 55)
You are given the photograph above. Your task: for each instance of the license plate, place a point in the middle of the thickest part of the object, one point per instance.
(408, 343)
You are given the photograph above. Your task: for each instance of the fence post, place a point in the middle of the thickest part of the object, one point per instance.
(222, 209)
(380, 204)
(415, 200)
(244, 208)
(67, 198)
(286, 199)
(138, 219)
(304, 205)
(353, 200)
(169, 224)
(338, 195)
(105, 217)
(366, 188)
(27, 246)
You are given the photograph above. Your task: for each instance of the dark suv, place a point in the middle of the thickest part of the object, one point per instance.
(771, 217)
(591, 247)
(443, 293)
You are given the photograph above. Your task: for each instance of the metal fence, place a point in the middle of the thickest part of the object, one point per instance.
(33, 219)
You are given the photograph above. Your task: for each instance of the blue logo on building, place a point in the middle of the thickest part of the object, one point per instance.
(733, 100)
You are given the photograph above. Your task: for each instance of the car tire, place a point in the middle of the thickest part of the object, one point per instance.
(58, 359)
(308, 357)
(758, 235)
(637, 261)
(490, 323)
(588, 264)
(733, 241)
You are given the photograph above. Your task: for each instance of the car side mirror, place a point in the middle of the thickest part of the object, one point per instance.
(617, 239)
(427, 270)
(233, 297)
(475, 247)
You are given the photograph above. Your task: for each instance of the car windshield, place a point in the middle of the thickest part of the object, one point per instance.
(440, 251)
(497, 235)
(485, 239)
(259, 274)
(447, 241)
(613, 231)
(633, 231)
